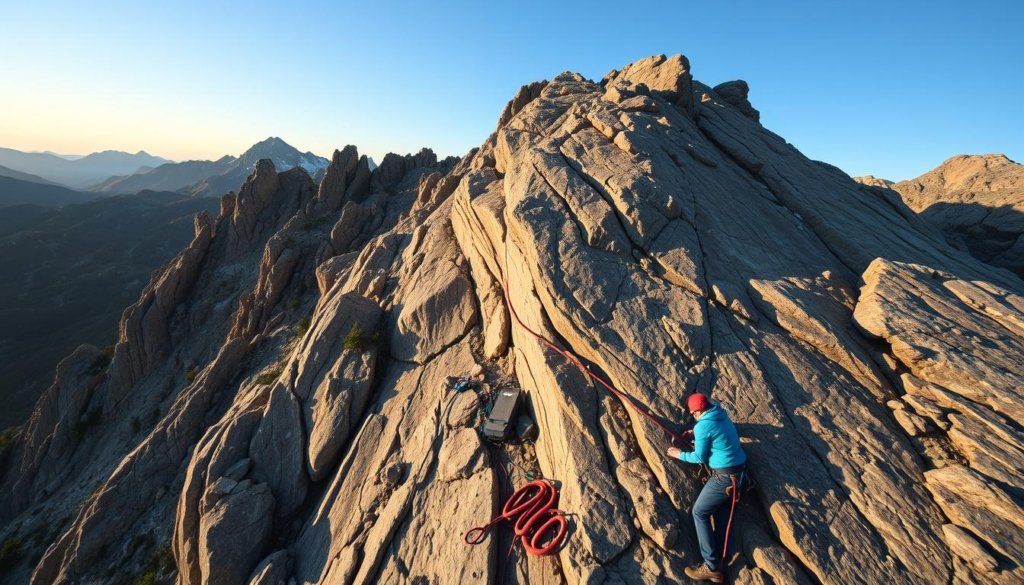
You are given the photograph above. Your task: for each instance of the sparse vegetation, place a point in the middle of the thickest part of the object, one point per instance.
(190, 374)
(10, 554)
(104, 358)
(358, 340)
(303, 326)
(161, 562)
(269, 376)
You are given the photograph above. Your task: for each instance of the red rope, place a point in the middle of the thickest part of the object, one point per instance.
(579, 363)
(732, 509)
(533, 509)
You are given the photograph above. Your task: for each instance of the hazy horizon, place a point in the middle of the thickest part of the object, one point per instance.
(876, 89)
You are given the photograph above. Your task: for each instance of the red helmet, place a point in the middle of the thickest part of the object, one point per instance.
(697, 403)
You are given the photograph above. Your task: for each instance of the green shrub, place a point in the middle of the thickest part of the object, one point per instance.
(10, 554)
(358, 340)
(303, 326)
(146, 578)
(354, 339)
(165, 559)
(104, 358)
(190, 374)
(161, 562)
(269, 376)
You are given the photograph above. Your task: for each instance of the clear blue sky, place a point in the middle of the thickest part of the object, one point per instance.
(888, 88)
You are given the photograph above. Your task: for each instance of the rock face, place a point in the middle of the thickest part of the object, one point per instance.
(978, 203)
(307, 430)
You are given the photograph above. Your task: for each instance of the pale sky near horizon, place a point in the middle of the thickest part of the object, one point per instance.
(884, 88)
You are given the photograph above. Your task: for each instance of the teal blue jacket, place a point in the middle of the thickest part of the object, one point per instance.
(715, 441)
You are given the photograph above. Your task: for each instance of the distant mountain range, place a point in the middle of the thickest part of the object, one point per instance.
(66, 273)
(6, 172)
(64, 156)
(214, 178)
(79, 173)
(15, 191)
(24, 174)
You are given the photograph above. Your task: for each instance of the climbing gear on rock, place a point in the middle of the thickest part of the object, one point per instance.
(461, 383)
(703, 572)
(526, 429)
(535, 516)
(501, 419)
(458, 385)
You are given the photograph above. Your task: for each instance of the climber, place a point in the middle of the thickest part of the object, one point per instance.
(716, 444)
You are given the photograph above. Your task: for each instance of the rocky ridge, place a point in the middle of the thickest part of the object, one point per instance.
(295, 358)
(977, 201)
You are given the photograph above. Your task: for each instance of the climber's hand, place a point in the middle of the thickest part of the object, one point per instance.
(674, 453)
(688, 435)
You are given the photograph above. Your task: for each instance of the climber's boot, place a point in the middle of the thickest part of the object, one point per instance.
(703, 572)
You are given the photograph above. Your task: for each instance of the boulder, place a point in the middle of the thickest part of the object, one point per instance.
(667, 75)
(234, 533)
(277, 451)
(735, 94)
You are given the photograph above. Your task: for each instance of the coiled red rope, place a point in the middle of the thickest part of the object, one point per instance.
(533, 509)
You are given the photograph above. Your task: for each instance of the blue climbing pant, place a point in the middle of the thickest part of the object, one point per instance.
(714, 502)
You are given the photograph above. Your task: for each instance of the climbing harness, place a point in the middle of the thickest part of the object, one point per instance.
(535, 516)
